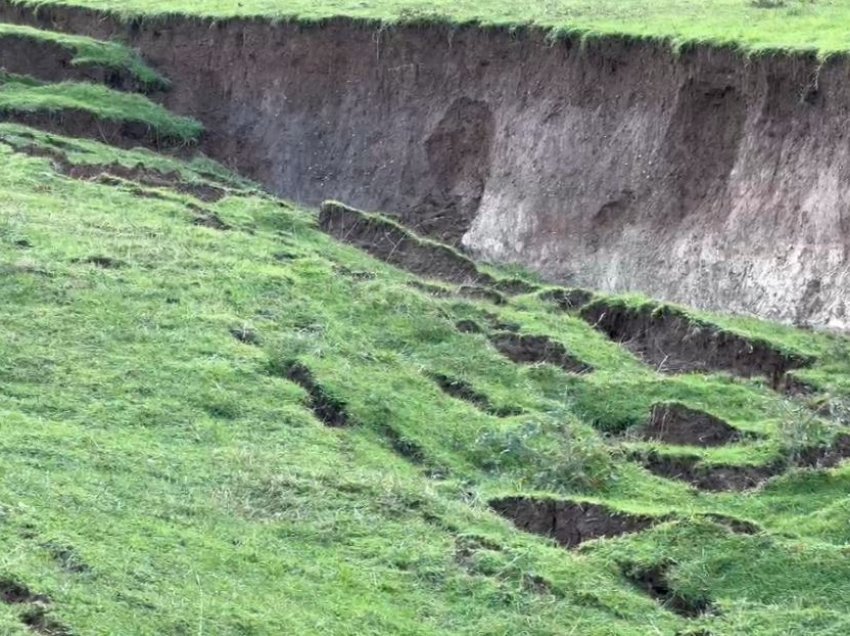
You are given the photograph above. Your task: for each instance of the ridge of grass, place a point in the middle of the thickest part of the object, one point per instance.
(801, 26)
(91, 52)
(20, 95)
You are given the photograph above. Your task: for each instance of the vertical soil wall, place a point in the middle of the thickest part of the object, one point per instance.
(705, 177)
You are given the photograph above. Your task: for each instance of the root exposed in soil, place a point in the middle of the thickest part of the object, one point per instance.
(525, 349)
(677, 424)
(653, 581)
(327, 408)
(464, 391)
(674, 342)
(567, 522)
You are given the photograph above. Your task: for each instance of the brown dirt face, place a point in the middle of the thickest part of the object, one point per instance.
(567, 522)
(678, 424)
(525, 349)
(392, 243)
(701, 177)
(674, 342)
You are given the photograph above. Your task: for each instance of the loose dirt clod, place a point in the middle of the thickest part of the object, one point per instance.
(653, 581)
(464, 391)
(387, 240)
(674, 342)
(674, 423)
(526, 349)
(568, 522)
(327, 408)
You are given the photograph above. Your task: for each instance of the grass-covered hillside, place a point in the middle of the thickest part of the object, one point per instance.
(754, 25)
(223, 414)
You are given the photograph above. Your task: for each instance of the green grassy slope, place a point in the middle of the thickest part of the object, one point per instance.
(164, 472)
(800, 25)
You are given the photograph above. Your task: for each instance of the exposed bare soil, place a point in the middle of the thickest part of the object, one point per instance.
(653, 581)
(80, 123)
(394, 244)
(674, 342)
(567, 522)
(697, 176)
(678, 424)
(528, 349)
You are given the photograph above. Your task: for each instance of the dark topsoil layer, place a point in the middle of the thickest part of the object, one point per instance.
(714, 477)
(677, 424)
(387, 240)
(567, 522)
(674, 342)
(528, 349)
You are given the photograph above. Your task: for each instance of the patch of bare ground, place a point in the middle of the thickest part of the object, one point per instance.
(330, 410)
(567, 299)
(674, 342)
(528, 349)
(653, 581)
(719, 477)
(52, 62)
(677, 424)
(81, 123)
(462, 390)
(569, 523)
